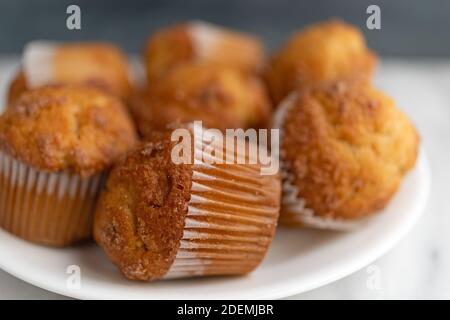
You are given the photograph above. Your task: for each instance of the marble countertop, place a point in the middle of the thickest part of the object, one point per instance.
(419, 266)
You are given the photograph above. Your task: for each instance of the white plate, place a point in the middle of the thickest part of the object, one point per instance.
(299, 260)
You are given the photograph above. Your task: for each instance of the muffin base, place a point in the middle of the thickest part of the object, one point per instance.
(54, 209)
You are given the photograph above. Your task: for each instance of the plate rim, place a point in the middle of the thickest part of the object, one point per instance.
(340, 271)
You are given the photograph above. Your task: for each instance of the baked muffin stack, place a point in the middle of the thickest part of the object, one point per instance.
(66, 126)
(72, 169)
(161, 220)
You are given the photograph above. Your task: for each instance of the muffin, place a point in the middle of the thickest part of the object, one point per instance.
(344, 150)
(157, 219)
(201, 42)
(325, 51)
(98, 64)
(56, 143)
(219, 96)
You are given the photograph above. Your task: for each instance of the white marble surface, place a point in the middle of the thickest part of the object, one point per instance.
(419, 266)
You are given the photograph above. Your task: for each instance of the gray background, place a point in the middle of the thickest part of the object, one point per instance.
(409, 27)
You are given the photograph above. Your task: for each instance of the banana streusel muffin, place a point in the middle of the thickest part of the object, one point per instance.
(219, 96)
(157, 219)
(325, 51)
(197, 41)
(98, 64)
(55, 144)
(345, 148)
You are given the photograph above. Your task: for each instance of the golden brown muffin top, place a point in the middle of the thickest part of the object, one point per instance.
(221, 97)
(69, 128)
(324, 51)
(202, 42)
(348, 147)
(140, 217)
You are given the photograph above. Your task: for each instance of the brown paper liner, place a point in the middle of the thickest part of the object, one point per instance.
(230, 223)
(48, 208)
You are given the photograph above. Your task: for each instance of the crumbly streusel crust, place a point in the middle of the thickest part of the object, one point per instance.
(67, 128)
(221, 97)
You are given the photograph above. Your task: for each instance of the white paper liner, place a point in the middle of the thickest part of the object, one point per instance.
(44, 207)
(205, 37)
(38, 62)
(292, 203)
(208, 38)
(225, 232)
(136, 72)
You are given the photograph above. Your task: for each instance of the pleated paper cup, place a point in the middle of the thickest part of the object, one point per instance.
(54, 209)
(231, 219)
(294, 210)
(38, 63)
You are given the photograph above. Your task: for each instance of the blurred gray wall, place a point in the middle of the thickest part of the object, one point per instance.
(409, 27)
